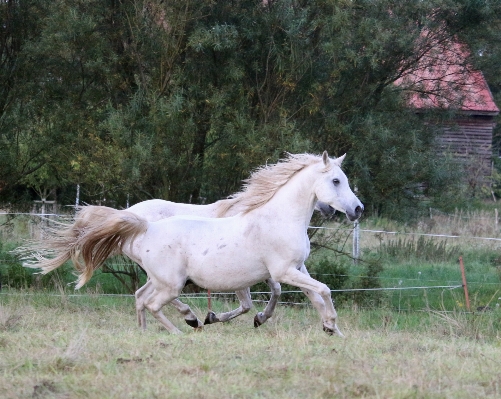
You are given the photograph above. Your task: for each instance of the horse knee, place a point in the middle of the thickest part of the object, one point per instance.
(154, 306)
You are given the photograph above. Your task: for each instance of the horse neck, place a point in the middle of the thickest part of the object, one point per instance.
(294, 202)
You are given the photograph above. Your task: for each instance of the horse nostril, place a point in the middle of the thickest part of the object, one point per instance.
(359, 210)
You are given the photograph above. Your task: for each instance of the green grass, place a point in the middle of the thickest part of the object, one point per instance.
(81, 347)
(411, 259)
(416, 343)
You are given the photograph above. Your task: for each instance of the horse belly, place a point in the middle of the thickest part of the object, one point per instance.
(212, 253)
(226, 270)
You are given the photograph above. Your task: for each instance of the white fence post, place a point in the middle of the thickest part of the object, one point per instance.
(77, 200)
(356, 242)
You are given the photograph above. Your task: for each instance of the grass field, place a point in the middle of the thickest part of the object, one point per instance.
(90, 347)
(416, 343)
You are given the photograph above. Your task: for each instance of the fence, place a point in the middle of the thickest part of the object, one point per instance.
(411, 287)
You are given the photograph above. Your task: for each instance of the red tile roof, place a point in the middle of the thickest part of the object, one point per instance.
(444, 79)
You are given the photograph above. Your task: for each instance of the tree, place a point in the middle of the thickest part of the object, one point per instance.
(180, 100)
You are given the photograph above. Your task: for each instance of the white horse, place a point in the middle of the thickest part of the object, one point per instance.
(266, 240)
(64, 244)
(157, 209)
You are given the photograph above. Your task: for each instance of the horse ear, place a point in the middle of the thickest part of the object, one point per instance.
(325, 158)
(340, 160)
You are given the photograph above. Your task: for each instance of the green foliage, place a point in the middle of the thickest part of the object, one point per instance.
(15, 275)
(12, 273)
(164, 99)
(130, 275)
(496, 177)
(371, 296)
(333, 273)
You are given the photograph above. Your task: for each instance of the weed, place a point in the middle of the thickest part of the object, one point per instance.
(44, 389)
(426, 248)
(8, 318)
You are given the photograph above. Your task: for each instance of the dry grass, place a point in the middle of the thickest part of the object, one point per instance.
(464, 224)
(69, 348)
(63, 347)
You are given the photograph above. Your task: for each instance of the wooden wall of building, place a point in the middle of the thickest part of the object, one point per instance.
(469, 139)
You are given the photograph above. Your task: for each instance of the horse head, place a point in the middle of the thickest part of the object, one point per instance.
(333, 190)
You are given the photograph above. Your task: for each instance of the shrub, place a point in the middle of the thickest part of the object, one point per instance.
(12, 272)
(334, 273)
(369, 280)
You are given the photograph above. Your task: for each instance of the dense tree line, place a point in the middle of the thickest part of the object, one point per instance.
(179, 100)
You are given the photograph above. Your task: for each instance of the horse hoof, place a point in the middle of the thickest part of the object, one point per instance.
(328, 330)
(193, 323)
(211, 318)
(259, 319)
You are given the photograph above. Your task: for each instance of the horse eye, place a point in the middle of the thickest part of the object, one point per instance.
(335, 181)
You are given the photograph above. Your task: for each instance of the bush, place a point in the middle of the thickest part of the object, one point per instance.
(334, 273)
(12, 272)
(369, 280)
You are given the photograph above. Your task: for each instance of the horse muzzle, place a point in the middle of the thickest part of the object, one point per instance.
(356, 213)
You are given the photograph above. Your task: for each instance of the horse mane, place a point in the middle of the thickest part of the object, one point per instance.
(265, 181)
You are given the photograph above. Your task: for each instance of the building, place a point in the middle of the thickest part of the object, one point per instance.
(443, 80)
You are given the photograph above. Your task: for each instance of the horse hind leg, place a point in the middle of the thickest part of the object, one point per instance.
(140, 295)
(276, 290)
(189, 317)
(154, 303)
(245, 305)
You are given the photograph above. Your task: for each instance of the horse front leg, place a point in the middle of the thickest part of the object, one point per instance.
(276, 290)
(315, 299)
(245, 305)
(312, 288)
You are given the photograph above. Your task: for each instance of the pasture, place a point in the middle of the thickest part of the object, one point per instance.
(71, 347)
(415, 344)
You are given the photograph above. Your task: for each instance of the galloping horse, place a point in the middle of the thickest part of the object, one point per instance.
(64, 245)
(156, 209)
(267, 239)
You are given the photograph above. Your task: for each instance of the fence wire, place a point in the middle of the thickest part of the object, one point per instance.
(49, 217)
